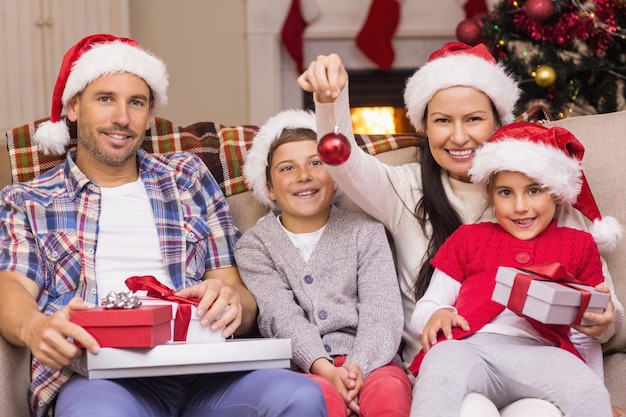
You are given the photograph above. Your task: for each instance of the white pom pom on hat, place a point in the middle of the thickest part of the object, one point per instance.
(553, 157)
(255, 165)
(91, 58)
(459, 64)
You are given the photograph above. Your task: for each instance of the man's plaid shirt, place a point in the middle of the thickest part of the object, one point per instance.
(49, 233)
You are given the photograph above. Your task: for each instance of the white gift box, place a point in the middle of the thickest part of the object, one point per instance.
(548, 302)
(196, 333)
(180, 359)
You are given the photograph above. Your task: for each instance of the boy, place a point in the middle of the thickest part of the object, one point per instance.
(321, 276)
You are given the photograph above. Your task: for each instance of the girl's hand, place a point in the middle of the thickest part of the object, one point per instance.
(618, 412)
(443, 320)
(603, 320)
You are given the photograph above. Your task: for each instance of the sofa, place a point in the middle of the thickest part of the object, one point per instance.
(223, 148)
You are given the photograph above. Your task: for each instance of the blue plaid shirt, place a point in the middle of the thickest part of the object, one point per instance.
(49, 233)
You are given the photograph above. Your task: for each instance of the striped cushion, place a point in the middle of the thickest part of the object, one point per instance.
(222, 148)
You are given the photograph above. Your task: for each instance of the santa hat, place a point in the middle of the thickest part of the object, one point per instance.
(91, 58)
(553, 157)
(458, 64)
(255, 166)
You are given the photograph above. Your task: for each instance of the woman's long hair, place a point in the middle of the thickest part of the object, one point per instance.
(435, 209)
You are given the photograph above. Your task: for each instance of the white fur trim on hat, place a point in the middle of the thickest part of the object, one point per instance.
(52, 137)
(117, 56)
(560, 174)
(460, 70)
(255, 166)
(607, 232)
(92, 57)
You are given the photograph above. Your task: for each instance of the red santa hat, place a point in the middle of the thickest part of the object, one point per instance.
(458, 64)
(256, 163)
(91, 58)
(553, 157)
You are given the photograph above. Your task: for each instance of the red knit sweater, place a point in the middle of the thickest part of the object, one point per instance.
(474, 252)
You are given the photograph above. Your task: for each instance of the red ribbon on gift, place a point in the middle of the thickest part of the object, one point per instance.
(554, 272)
(156, 289)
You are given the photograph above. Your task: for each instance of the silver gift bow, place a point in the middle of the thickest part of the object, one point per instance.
(119, 300)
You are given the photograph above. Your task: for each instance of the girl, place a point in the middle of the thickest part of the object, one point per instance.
(530, 172)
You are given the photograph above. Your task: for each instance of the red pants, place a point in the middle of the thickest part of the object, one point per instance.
(386, 392)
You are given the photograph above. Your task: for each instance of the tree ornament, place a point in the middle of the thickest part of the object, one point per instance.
(470, 31)
(334, 148)
(539, 10)
(545, 76)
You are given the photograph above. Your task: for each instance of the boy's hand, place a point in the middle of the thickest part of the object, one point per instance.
(347, 380)
(354, 385)
(443, 320)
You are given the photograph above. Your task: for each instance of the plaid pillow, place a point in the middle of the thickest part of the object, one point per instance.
(222, 148)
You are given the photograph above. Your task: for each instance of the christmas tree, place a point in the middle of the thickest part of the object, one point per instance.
(568, 55)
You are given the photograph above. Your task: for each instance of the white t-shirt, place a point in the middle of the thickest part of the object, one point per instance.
(128, 243)
(305, 242)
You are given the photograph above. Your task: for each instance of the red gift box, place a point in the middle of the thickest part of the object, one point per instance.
(145, 326)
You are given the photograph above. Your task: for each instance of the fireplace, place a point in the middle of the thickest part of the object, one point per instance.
(424, 27)
(373, 89)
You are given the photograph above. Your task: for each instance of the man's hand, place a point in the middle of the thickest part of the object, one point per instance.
(47, 336)
(220, 306)
(443, 320)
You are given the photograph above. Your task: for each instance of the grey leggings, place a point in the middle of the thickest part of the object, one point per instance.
(505, 369)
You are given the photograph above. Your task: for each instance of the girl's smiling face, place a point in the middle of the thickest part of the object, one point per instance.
(522, 207)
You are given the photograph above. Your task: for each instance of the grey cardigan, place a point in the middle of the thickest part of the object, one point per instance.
(344, 301)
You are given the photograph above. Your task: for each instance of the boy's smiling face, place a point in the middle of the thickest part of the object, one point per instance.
(301, 186)
(522, 207)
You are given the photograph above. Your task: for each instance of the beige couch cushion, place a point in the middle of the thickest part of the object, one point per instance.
(604, 164)
(604, 138)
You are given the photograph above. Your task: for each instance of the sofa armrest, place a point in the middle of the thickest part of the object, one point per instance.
(5, 166)
(14, 379)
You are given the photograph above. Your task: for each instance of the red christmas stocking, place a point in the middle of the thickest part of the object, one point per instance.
(474, 7)
(292, 32)
(374, 38)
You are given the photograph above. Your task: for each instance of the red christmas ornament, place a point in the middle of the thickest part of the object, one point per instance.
(334, 148)
(539, 10)
(470, 31)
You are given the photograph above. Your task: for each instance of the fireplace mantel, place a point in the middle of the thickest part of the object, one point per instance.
(425, 25)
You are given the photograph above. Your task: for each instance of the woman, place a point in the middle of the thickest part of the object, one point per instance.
(458, 98)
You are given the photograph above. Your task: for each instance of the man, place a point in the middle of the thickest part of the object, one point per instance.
(112, 211)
